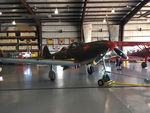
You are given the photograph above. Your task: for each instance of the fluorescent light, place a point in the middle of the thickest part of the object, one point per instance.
(112, 11)
(0, 13)
(1, 78)
(14, 23)
(104, 21)
(148, 20)
(56, 11)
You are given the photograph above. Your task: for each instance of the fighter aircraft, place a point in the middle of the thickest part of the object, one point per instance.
(78, 53)
(75, 55)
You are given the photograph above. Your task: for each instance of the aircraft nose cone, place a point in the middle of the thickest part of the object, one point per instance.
(111, 45)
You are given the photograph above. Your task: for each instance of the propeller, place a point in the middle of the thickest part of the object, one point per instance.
(120, 53)
(112, 45)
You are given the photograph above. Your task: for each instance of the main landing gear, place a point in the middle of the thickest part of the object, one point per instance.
(105, 78)
(143, 64)
(90, 70)
(52, 74)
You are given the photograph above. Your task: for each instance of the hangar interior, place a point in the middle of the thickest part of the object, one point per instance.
(26, 26)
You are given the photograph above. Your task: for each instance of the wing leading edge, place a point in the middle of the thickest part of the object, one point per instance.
(39, 61)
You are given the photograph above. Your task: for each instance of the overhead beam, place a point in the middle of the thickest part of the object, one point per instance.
(78, 7)
(30, 11)
(90, 2)
(89, 7)
(134, 11)
(82, 19)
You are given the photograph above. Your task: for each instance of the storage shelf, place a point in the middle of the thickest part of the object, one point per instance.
(33, 50)
(18, 37)
(17, 31)
(14, 44)
(21, 38)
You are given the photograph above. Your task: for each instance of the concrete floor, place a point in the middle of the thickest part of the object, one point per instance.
(27, 89)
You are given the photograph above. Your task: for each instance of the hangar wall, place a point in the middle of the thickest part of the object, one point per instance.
(137, 32)
(100, 32)
(61, 34)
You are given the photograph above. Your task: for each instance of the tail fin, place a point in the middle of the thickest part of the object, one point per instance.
(46, 53)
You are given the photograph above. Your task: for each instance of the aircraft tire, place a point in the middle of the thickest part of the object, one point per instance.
(90, 70)
(52, 75)
(100, 82)
(144, 64)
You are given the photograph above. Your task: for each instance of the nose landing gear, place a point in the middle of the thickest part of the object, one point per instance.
(105, 78)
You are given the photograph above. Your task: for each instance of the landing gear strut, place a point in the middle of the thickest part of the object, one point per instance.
(90, 70)
(52, 74)
(105, 77)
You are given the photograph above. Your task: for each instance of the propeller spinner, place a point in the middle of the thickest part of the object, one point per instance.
(120, 53)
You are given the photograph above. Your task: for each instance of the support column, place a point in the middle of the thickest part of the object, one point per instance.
(121, 32)
(39, 31)
(82, 39)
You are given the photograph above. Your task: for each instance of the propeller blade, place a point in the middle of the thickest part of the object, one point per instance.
(120, 53)
(108, 28)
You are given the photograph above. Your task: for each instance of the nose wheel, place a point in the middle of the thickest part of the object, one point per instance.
(104, 79)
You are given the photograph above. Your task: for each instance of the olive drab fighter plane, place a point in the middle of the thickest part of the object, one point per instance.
(76, 54)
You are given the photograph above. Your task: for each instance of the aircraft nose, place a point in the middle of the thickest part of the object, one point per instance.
(111, 45)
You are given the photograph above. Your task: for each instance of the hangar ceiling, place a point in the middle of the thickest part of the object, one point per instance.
(70, 10)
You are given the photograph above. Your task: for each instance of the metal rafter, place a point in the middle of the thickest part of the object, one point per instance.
(134, 11)
(89, 2)
(37, 21)
(29, 9)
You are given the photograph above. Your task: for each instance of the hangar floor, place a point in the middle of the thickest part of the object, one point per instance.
(27, 89)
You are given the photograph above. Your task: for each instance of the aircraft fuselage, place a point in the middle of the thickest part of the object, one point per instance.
(84, 51)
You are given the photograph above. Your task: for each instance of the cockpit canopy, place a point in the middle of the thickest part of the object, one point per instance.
(74, 44)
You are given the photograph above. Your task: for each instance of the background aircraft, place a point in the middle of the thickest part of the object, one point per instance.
(140, 54)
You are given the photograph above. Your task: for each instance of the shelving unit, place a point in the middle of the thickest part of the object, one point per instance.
(18, 41)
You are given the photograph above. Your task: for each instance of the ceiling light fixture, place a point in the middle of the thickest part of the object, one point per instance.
(128, 6)
(148, 20)
(56, 11)
(13, 22)
(104, 21)
(0, 13)
(112, 11)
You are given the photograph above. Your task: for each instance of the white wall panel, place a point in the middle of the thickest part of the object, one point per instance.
(99, 34)
(63, 28)
(61, 35)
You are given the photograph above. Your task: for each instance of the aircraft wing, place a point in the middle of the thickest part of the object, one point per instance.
(130, 43)
(142, 53)
(39, 61)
